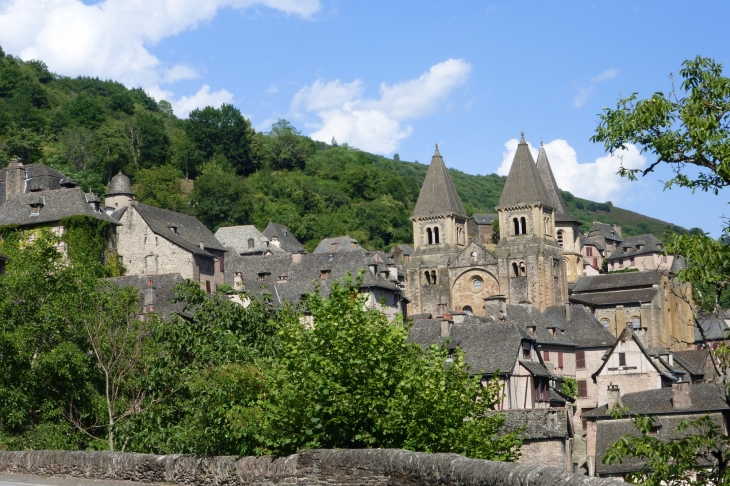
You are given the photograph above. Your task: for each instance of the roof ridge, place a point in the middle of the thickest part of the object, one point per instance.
(438, 194)
(524, 185)
(551, 186)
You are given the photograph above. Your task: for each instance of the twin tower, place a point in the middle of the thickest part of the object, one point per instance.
(538, 251)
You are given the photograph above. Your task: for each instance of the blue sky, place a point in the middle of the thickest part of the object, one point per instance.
(398, 77)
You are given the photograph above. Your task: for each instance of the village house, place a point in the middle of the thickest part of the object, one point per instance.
(155, 241)
(333, 245)
(600, 242)
(280, 236)
(246, 241)
(156, 293)
(668, 407)
(481, 228)
(644, 253)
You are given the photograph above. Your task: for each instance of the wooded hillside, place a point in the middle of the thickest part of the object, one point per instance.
(215, 166)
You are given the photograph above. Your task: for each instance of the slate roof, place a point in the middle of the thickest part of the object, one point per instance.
(38, 177)
(524, 184)
(693, 361)
(617, 281)
(236, 238)
(525, 317)
(593, 240)
(438, 195)
(488, 346)
(190, 231)
(484, 218)
(649, 244)
(56, 205)
(613, 297)
(536, 369)
(341, 243)
(301, 273)
(405, 249)
(605, 230)
(583, 328)
(714, 327)
(287, 242)
(553, 191)
(538, 423)
(159, 295)
(120, 184)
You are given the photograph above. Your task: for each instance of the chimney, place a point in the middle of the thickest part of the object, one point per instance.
(296, 258)
(202, 246)
(446, 327)
(496, 305)
(441, 310)
(14, 179)
(613, 397)
(617, 229)
(680, 396)
(527, 304)
(568, 312)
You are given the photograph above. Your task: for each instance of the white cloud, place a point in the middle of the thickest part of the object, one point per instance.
(585, 91)
(201, 99)
(272, 89)
(378, 125)
(597, 180)
(110, 39)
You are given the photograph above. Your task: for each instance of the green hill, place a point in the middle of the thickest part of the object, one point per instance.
(215, 166)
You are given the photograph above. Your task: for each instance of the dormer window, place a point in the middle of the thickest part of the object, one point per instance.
(274, 238)
(531, 330)
(35, 209)
(174, 230)
(639, 247)
(324, 274)
(250, 243)
(263, 276)
(283, 278)
(626, 249)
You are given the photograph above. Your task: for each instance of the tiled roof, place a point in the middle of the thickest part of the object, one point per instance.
(405, 249)
(595, 241)
(159, 294)
(614, 297)
(713, 327)
(693, 361)
(190, 231)
(484, 218)
(637, 245)
(287, 242)
(341, 243)
(524, 184)
(605, 230)
(617, 281)
(120, 184)
(536, 369)
(38, 177)
(583, 328)
(438, 195)
(237, 238)
(525, 317)
(553, 191)
(54, 206)
(537, 423)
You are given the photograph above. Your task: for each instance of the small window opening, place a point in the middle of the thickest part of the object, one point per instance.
(433, 277)
(605, 323)
(560, 239)
(436, 236)
(430, 236)
(515, 270)
(517, 226)
(250, 243)
(468, 310)
(428, 277)
(635, 323)
(324, 274)
(523, 270)
(622, 359)
(523, 225)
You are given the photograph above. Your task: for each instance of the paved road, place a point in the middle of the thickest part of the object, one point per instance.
(29, 480)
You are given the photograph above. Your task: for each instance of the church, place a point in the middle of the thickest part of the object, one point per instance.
(537, 255)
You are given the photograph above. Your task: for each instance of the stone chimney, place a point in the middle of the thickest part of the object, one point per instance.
(14, 179)
(617, 229)
(446, 327)
(568, 312)
(613, 396)
(441, 309)
(202, 245)
(496, 306)
(680, 396)
(527, 304)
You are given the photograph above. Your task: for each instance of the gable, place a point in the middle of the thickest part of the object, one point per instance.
(474, 255)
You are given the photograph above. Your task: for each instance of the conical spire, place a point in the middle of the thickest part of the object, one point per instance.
(553, 192)
(523, 185)
(438, 195)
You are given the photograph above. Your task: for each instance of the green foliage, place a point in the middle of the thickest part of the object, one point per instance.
(86, 242)
(623, 270)
(569, 388)
(161, 187)
(677, 461)
(220, 198)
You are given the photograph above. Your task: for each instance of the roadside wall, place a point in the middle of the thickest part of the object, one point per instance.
(363, 467)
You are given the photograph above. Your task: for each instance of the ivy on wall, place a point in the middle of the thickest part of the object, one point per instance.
(91, 240)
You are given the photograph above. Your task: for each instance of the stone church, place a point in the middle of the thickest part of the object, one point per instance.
(538, 251)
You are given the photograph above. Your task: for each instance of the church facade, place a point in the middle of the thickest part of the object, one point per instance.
(531, 264)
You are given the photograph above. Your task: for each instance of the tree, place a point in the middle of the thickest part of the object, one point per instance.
(221, 198)
(223, 131)
(161, 187)
(284, 148)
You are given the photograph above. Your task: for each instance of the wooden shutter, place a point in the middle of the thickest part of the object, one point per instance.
(546, 391)
(580, 359)
(622, 359)
(207, 286)
(220, 261)
(582, 388)
(560, 359)
(546, 355)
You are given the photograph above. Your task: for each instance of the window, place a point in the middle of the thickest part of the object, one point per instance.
(263, 276)
(621, 263)
(526, 351)
(174, 230)
(582, 389)
(477, 283)
(436, 236)
(622, 359)
(595, 262)
(427, 274)
(626, 249)
(560, 359)
(207, 286)
(468, 310)
(523, 225)
(580, 359)
(221, 260)
(517, 226)
(35, 210)
(430, 236)
(523, 272)
(632, 262)
(560, 239)
(546, 355)
(635, 323)
(605, 323)
(433, 277)
(589, 251)
(664, 258)
(283, 278)
(250, 243)
(324, 274)
(515, 270)
(584, 422)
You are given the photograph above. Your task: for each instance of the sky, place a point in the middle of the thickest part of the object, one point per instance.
(398, 77)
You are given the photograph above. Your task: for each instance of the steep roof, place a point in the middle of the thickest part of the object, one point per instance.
(38, 177)
(287, 242)
(438, 195)
(637, 245)
(713, 327)
(693, 360)
(524, 184)
(341, 243)
(237, 238)
(536, 423)
(181, 229)
(159, 295)
(120, 184)
(582, 328)
(548, 179)
(613, 297)
(617, 281)
(484, 218)
(605, 230)
(54, 206)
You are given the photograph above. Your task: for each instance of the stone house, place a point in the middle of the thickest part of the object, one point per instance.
(17, 179)
(644, 253)
(607, 237)
(156, 241)
(712, 329)
(156, 293)
(481, 228)
(593, 251)
(289, 277)
(246, 241)
(340, 243)
(652, 302)
(279, 235)
(668, 406)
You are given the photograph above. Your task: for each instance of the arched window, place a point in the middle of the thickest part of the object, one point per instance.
(605, 323)
(458, 236)
(436, 236)
(523, 271)
(547, 226)
(250, 243)
(427, 274)
(517, 226)
(635, 322)
(433, 277)
(515, 270)
(430, 236)
(468, 310)
(560, 238)
(523, 226)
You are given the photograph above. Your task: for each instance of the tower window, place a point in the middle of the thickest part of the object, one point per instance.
(428, 277)
(523, 270)
(515, 270)
(560, 239)
(517, 226)
(523, 225)
(250, 243)
(430, 236)
(433, 277)
(436, 236)
(635, 323)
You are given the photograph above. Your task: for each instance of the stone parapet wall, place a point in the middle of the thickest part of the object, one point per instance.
(363, 467)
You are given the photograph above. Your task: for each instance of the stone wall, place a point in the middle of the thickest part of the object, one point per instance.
(312, 467)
